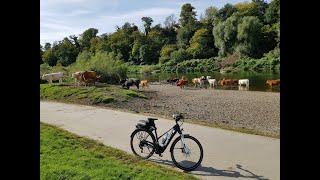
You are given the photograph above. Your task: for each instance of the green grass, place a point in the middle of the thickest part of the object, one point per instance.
(64, 155)
(92, 95)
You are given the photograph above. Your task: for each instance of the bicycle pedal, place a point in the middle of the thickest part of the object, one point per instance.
(160, 155)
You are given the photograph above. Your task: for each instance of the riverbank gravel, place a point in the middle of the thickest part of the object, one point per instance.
(259, 111)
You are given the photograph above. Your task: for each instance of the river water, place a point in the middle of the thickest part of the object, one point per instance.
(257, 80)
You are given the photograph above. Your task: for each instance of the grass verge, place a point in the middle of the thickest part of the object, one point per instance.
(89, 95)
(64, 155)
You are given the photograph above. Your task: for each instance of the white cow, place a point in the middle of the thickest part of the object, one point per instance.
(243, 82)
(243, 88)
(53, 77)
(199, 81)
(77, 77)
(212, 82)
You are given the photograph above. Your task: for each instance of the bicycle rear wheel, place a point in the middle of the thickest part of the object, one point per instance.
(142, 143)
(188, 158)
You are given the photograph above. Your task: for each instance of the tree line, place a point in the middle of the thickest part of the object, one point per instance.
(250, 29)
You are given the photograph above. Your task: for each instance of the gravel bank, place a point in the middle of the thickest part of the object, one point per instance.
(259, 111)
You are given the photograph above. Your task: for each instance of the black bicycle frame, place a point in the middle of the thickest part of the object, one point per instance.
(160, 149)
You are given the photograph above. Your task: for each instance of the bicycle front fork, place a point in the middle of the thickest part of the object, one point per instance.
(186, 150)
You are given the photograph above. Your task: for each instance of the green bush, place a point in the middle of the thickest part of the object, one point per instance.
(148, 69)
(269, 62)
(193, 65)
(179, 56)
(105, 64)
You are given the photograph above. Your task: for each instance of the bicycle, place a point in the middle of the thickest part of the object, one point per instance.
(149, 143)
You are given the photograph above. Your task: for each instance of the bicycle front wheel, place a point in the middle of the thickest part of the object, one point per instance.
(189, 157)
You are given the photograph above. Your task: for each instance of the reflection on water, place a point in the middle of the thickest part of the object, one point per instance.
(243, 88)
(257, 80)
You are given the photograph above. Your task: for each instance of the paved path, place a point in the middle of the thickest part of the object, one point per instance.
(227, 154)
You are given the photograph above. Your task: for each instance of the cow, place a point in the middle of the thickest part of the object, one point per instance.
(272, 83)
(228, 82)
(199, 81)
(212, 82)
(89, 77)
(53, 77)
(77, 77)
(243, 88)
(181, 83)
(243, 82)
(172, 80)
(126, 83)
(144, 83)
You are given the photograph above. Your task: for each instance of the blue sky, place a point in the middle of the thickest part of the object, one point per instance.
(61, 18)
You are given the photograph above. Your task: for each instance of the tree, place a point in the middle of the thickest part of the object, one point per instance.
(246, 9)
(41, 53)
(139, 40)
(218, 34)
(47, 46)
(95, 44)
(146, 54)
(187, 15)
(272, 14)
(260, 8)
(120, 42)
(86, 37)
(179, 56)
(66, 52)
(201, 44)
(226, 11)
(166, 52)
(225, 35)
(249, 36)
(147, 24)
(170, 22)
(74, 40)
(49, 57)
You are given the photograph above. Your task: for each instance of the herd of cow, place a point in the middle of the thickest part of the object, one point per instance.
(91, 77)
(213, 82)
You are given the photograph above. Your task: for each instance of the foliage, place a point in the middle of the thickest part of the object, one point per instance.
(49, 57)
(249, 28)
(166, 53)
(269, 62)
(272, 14)
(179, 56)
(86, 37)
(249, 36)
(105, 64)
(201, 44)
(147, 24)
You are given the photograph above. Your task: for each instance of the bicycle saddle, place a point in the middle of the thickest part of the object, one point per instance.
(152, 119)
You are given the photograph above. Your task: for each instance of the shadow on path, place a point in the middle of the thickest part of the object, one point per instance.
(210, 171)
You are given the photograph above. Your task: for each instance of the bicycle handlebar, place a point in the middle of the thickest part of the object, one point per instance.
(177, 116)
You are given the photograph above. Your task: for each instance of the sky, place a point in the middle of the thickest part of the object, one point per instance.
(62, 18)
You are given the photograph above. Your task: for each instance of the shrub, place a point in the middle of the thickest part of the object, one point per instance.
(148, 69)
(179, 56)
(193, 65)
(269, 62)
(105, 64)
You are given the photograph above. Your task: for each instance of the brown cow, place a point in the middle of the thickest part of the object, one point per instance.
(272, 83)
(89, 77)
(181, 83)
(228, 82)
(144, 83)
